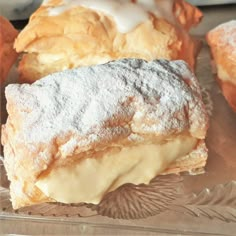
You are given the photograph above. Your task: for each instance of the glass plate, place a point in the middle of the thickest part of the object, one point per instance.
(203, 204)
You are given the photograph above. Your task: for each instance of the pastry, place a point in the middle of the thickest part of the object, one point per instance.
(78, 134)
(222, 41)
(8, 54)
(68, 34)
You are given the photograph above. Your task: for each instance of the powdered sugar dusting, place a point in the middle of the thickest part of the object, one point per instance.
(105, 102)
(228, 35)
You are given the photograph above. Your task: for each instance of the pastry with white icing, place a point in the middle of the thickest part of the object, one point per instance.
(8, 54)
(68, 34)
(222, 41)
(76, 135)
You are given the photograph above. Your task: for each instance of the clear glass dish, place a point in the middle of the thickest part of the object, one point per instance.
(203, 204)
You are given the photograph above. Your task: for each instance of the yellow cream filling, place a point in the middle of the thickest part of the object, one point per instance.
(91, 178)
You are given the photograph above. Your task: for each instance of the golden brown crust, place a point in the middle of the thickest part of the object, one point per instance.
(7, 53)
(81, 37)
(222, 41)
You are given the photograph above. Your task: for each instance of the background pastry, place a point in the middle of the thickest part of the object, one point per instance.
(68, 34)
(8, 54)
(78, 134)
(222, 41)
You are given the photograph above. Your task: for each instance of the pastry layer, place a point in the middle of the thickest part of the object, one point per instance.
(8, 54)
(64, 34)
(222, 41)
(74, 115)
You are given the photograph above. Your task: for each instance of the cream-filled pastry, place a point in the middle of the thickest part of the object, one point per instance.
(68, 34)
(76, 135)
(8, 54)
(222, 41)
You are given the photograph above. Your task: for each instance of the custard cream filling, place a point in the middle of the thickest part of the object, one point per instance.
(91, 178)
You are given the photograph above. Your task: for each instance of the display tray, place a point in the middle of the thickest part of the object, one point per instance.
(203, 204)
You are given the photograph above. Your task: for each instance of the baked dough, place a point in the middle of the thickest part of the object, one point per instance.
(63, 34)
(8, 54)
(75, 135)
(222, 41)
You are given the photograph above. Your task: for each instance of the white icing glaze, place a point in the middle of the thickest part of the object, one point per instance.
(126, 14)
(91, 178)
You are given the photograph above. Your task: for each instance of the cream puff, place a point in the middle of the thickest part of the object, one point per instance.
(65, 34)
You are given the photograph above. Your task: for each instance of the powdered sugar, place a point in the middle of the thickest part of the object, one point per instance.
(105, 102)
(228, 35)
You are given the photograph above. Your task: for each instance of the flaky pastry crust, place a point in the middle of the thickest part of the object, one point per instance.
(87, 112)
(82, 37)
